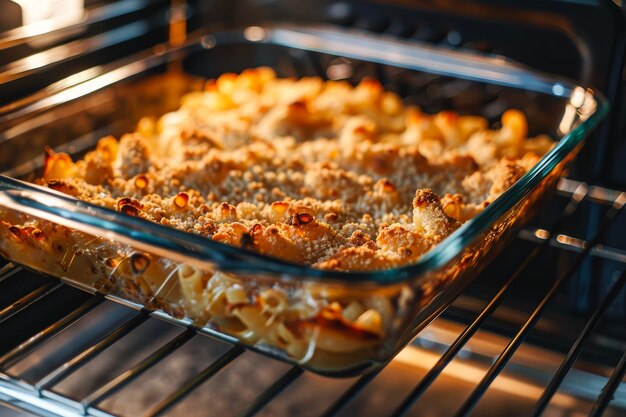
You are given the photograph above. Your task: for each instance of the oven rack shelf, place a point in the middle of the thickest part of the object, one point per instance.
(40, 395)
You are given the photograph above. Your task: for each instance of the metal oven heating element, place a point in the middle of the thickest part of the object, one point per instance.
(518, 341)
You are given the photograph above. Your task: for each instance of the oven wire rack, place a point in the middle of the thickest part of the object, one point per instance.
(40, 397)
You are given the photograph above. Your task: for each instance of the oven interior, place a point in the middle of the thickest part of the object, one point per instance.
(541, 331)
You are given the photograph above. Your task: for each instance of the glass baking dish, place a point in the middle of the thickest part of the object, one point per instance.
(173, 273)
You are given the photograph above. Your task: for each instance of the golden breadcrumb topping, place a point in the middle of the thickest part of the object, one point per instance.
(314, 172)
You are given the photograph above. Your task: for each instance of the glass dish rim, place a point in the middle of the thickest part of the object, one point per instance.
(413, 56)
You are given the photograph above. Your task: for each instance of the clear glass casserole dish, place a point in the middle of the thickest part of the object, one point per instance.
(253, 298)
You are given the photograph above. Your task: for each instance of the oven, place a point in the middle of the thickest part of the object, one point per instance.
(541, 330)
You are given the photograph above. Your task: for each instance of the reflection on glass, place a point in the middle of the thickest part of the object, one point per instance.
(581, 105)
(61, 11)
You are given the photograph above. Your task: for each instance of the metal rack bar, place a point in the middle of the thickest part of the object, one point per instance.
(572, 244)
(609, 389)
(23, 67)
(131, 374)
(596, 194)
(475, 396)
(8, 271)
(272, 392)
(77, 361)
(577, 347)
(350, 393)
(27, 300)
(13, 355)
(176, 396)
(99, 14)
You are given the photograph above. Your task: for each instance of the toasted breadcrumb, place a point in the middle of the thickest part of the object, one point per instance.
(318, 173)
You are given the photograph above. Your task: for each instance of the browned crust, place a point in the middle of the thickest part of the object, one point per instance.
(314, 172)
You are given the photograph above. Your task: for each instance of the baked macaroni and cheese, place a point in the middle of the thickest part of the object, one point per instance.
(314, 172)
